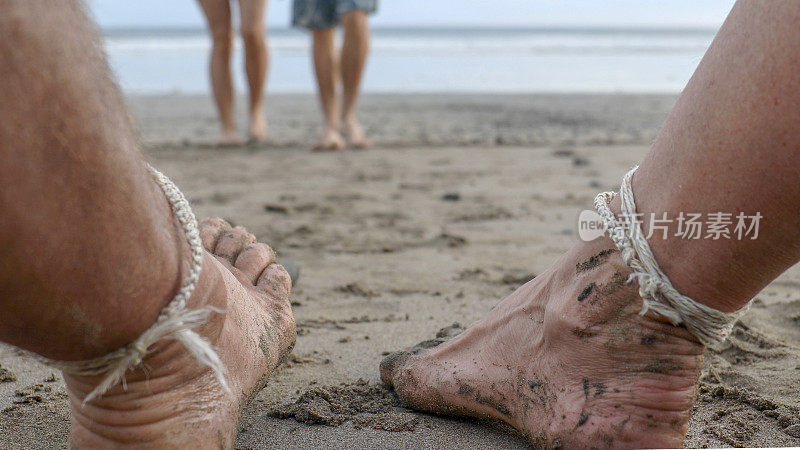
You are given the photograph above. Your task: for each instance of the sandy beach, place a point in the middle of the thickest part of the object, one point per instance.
(463, 199)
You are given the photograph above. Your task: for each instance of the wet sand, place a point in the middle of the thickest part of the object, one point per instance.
(463, 199)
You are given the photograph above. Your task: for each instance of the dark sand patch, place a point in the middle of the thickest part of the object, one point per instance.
(6, 375)
(37, 393)
(362, 404)
(357, 290)
(594, 261)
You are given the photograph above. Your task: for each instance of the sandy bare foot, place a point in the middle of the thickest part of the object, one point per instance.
(257, 132)
(356, 136)
(330, 140)
(566, 359)
(177, 403)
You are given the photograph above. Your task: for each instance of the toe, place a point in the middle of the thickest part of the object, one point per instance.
(210, 231)
(397, 360)
(232, 242)
(252, 261)
(275, 281)
(293, 269)
(390, 364)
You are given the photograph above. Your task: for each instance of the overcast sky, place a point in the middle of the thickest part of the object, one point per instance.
(186, 13)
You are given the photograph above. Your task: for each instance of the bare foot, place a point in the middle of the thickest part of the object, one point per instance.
(229, 138)
(176, 402)
(258, 127)
(566, 359)
(356, 136)
(330, 140)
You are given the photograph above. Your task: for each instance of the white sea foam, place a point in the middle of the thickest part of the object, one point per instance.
(465, 60)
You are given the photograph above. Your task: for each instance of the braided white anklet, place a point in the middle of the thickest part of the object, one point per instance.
(174, 322)
(710, 326)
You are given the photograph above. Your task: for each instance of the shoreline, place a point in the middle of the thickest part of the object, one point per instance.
(424, 120)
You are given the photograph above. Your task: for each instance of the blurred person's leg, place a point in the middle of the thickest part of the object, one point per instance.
(218, 16)
(319, 17)
(256, 62)
(326, 68)
(567, 359)
(354, 55)
(92, 252)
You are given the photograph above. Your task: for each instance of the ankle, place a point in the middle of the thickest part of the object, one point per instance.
(350, 121)
(165, 356)
(154, 396)
(154, 406)
(331, 128)
(692, 265)
(599, 276)
(132, 301)
(257, 113)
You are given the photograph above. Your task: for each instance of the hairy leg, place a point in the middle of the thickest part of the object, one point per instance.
(326, 67)
(74, 185)
(92, 253)
(218, 16)
(256, 62)
(546, 358)
(354, 56)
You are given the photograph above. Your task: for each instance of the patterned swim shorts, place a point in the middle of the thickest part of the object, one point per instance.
(324, 14)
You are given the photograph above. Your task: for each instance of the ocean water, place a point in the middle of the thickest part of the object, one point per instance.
(429, 60)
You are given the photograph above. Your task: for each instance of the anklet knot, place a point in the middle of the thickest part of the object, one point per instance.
(710, 326)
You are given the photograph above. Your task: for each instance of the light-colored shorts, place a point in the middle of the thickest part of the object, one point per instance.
(324, 14)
